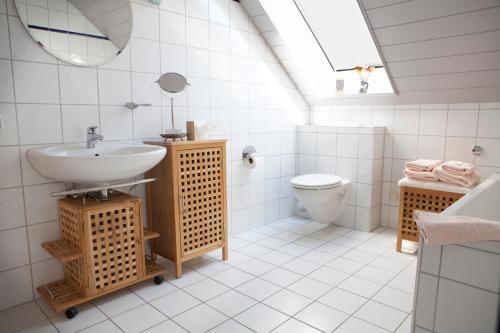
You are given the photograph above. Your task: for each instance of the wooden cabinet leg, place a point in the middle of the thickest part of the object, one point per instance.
(225, 254)
(398, 242)
(178, 269)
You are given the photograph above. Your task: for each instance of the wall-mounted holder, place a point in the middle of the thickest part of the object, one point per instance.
(250, 156)
(133, 105)
(476, 150)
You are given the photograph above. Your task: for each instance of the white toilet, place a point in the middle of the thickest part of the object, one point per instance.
(323, 195)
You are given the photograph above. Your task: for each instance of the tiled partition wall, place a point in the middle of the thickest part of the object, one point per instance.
(458, 288)
(353, 153)
(235, 79)
(440, 131)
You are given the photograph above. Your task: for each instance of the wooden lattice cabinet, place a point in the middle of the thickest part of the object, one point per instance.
(101, 248)
(413, 198)
(188, 201)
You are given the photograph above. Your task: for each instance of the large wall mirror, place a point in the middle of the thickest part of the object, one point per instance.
(80, 32)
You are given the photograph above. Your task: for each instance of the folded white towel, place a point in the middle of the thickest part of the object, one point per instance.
(459, 168)
(423, 164)
(422, 175)
(463, 180)
(438, 229)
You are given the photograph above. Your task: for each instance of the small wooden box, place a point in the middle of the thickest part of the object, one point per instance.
(414, 198)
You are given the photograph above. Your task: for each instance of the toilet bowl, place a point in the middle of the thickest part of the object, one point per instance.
(323, 195)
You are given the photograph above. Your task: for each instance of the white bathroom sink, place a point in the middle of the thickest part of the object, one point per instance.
(105, 164)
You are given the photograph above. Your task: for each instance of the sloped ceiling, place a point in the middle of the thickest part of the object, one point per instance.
(436, 51)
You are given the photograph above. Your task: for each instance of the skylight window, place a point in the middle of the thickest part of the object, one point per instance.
(328, 40)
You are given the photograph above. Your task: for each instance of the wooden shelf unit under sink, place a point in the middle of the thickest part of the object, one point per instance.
(101, 248)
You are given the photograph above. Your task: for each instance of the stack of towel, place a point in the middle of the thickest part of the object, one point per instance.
(453, 172)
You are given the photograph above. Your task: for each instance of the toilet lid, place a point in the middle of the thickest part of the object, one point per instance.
(316, 181)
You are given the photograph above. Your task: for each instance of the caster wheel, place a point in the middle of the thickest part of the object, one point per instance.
(158, 279)
(71, 312)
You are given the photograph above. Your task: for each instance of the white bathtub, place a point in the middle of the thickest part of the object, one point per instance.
(457, 287)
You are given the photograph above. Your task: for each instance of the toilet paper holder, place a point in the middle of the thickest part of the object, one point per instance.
(247, 151)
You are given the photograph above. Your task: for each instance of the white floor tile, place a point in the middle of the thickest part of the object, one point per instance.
(405, 327)
(254, 250)
(42, 327)
(295, 326)
(360, 286)
(389, 264)
(333, 249)
(355, 325)
(276, 257)
(188, 277)
(261, 318)
(309, 288)
(200, 319)
(281, 277)
(138, 319)
(288, 236)
(267, 230)
(106, 326)
(301, 266)
(347, 241)
(321, 316)
(230, 326)
(237, 243)
(256, 267)
(258, 289)
(272, 242)
(211, 268)
(318, 257)
(287, 302)
(88, 315)
(345, 265)
(119, 302)
(236, 258)
(309, 242)
(343, 300)
(329, 275)
(166, 326)
(231, 303)
(149, 291)
(232, 277)
(359, 256)
(381, 315)
(206, 289)
(395, 298)
(375, 274)
(251, 236)
(294, 249)
(175, 303)
(371, 248)
(403, 283)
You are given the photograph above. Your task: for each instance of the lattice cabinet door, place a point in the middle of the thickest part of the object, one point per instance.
(200, 184)
(412, 199)
(115, 252)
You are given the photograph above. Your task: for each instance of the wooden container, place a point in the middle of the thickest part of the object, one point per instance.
(101, 248)
(188, 201)
(414, 198)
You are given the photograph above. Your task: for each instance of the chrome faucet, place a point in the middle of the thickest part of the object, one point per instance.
(92, 136)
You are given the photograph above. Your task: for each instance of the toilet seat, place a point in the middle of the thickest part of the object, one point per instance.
(316, 181)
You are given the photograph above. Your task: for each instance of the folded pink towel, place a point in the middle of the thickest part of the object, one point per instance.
(438, 229)
(421, 175)
(423, 165)
(459, 168)
(463, 180)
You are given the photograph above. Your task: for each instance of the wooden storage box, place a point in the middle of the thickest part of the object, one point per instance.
(188, 201)
(101, 248)
(426, 196)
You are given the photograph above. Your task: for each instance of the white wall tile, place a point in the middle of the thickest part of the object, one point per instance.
(489, 156)
(406, 121)
(10, 166)
(433, 122)
(6, 82)
(197, 8)
(35, 83)
(12, 208)
(219, 66)
(424, 313)
(15, 243)
(173, 58)
(8, 130)
(459, 148)
(39, 123)
(462, 122)
(431, 147)
(146, 22)
(198, 63)
(489, 123)
(38, 234)
(219, 38)
(114, 87)
(145, 55)
(172, 28)
(116, 123)
(197, 33)
(347, 145)
(219, 11)
(405, 146)
(40, 205)
(15, 287)
(78, 85)
(4, 36)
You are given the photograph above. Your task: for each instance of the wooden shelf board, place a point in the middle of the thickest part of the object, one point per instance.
(150, 234)
(62, 251)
